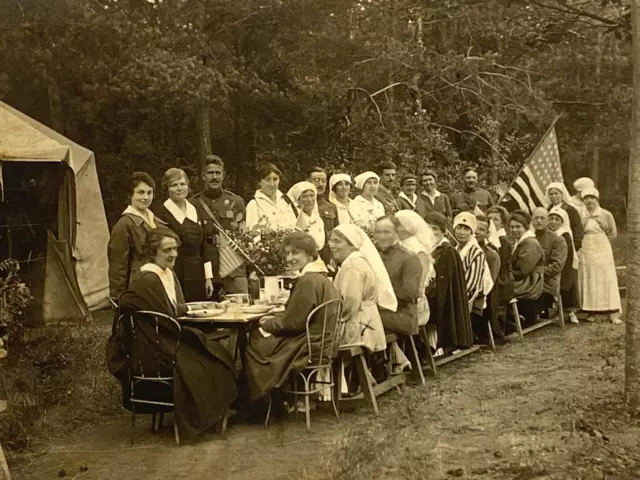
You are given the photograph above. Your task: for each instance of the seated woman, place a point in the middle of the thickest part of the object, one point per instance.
(269, 360)
(364, 284)
(560, 224)
(204, 377)
(527, 262)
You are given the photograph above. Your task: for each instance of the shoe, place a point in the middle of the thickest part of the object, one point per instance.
(615, 319)
(573, 319)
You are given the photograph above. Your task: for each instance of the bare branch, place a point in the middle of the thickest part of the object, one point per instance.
(576, 11)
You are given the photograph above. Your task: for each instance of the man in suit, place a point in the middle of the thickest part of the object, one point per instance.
(434, 201)
(470, 196)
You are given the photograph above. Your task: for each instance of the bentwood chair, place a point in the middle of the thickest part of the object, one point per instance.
(154, 339)
(306, 383)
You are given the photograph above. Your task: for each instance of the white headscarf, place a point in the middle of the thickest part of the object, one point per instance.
(386, 297)
(333, 181)
(565, 228)
(312, 224)
(422, 239)
(590, 192)
(561, 188)
(363, 177)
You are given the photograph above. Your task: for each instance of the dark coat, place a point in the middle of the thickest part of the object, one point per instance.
(555, 256)
(204, 381)
(189, 267)
(269, 361)
(405, 271)
(441, 205)
(505, 277)
(125, 252)
(569, 278)
(447, 297)
(420, 207)
(329, 214)
(490, 313)
(527, 263)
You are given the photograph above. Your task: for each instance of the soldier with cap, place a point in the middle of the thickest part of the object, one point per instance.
(471, 196)
(327, 210)
(222, 212)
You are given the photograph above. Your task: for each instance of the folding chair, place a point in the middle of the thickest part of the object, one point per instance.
(152, 364)
(319, 360)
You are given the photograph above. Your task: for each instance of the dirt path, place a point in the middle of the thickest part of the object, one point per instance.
(545, 408)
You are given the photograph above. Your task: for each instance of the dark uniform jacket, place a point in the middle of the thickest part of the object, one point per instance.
(230, 211)
(329, 215)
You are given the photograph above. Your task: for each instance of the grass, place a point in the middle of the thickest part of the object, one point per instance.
(55, 385)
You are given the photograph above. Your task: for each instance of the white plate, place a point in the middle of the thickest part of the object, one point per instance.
(257, 309)
(205, 305)
(205, 313)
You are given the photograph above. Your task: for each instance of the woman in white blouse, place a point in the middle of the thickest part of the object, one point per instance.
(365, 209)
(304, 196)
(340, 187)
(270, 209)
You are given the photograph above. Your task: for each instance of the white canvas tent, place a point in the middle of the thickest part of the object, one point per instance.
(75, 269)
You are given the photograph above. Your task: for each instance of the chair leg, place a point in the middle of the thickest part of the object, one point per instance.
(266, 420)
(425, 339)
(338, 384)
(365, 383)
(560, 310)
(175, 432)
(338, 368)
(161, 422)
(307, 405)
(415, 361)
(133, 415)
(516, 314)
(153, 423)
(491, 339)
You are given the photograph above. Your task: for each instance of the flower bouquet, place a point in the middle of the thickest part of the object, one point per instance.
(265, 250)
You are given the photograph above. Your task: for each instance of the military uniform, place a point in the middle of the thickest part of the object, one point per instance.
(230, 212)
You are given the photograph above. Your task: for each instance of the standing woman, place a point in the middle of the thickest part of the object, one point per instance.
(340, 187)
(270, 209)
(129, 234)
(597, 270)
(195, 276)
(365, 209)
(560, 224)
(558, 197)
(304, 196)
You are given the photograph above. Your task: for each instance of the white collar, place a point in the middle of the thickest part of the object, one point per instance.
(166, 277)
(435, 195)
(180, 215)
(259, 195)
(317, 266)
(442, 241)
(411, 201)
(150, 219)
(527, 234)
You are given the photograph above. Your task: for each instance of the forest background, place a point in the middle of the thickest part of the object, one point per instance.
(445, 84)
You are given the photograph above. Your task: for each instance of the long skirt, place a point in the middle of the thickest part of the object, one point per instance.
(597, 275)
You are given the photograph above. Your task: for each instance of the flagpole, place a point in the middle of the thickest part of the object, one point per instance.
(553, 124)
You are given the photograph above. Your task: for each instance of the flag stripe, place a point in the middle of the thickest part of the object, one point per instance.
(543, 167)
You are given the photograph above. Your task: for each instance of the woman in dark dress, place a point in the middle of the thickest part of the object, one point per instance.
(270, 360)
(204, 377)
(195, 276)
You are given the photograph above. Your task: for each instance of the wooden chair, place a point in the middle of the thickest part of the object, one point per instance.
(516, 316)
(320, 360)
(560, 307)
(151, 382)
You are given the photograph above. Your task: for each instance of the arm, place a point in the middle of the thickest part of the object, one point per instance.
(409, 289)
(293, 320)
(527, 259)
(119, 253)
(252, 214)
(611, 230)
(447, 206)
(575, 222)
(557, 258)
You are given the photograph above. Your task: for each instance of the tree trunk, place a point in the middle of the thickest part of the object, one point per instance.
(632, 341)
(204, 134)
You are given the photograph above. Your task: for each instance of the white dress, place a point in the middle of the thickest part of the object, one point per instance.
(262, 211)
(365, 212)
(597, 269)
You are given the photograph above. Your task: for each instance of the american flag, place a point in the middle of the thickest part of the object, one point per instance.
(541, 169)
